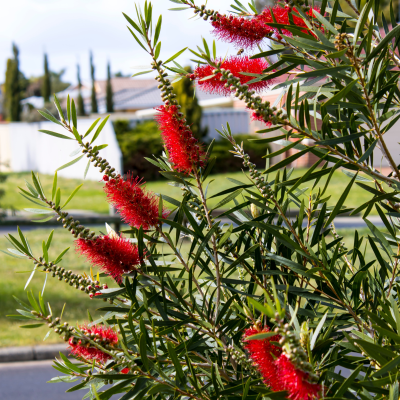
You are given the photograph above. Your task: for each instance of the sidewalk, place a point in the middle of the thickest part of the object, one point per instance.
(32, 353)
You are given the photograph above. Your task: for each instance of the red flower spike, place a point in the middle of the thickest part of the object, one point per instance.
(183, 148)
(281, 16)
(242, 32)
(263, 353)
(248, 32)
(277, 370)
(93, 353)
(113, 255)
(295, 381)
(237, 65)
(137, 206)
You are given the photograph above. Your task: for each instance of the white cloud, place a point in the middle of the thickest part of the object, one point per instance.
(67, 30)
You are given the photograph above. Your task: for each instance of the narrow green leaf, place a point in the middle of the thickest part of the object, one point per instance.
(72, 195)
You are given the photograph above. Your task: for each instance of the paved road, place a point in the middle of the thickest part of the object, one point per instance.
(27, 381)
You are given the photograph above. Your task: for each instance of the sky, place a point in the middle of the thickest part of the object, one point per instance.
(68, 30)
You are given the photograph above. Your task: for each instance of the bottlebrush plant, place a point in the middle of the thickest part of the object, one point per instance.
(246, 302)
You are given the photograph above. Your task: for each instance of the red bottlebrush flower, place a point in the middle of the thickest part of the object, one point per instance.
(106, 178)
(277, 370)
(237, 65)
(125, 370)
(183, 148)
(243, 32)
(295, 381)
(263, 353)
(113, 255)
(281, 16)
(80, 349)
(137, 206)
(248, 32)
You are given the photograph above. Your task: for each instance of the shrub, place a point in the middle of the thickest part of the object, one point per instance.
(144, 141)
(265, 306)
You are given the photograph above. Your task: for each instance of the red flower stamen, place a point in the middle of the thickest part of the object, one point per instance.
(295, 381)
(137, 206)
(248, 32)
(125, 370)
(263, 353)
(243, 32)
(278, 371)
(184, 151)
(237, 65)
(88, 352)
(112, 254)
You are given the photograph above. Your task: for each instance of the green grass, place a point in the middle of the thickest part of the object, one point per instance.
(91, 196)
(14, 273)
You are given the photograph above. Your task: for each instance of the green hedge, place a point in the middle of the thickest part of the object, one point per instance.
(145, 141)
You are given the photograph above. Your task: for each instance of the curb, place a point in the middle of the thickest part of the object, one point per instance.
(31, 353)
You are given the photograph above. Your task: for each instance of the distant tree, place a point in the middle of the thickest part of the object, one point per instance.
(94, 99)
(120, 74)
(35, 86)
(80, 104)
(13, 88)
(109, 92)
(185, 92)
(46, 83)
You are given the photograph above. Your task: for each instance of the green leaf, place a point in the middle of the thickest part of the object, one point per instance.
(157, 50)
(99, 129)
(137, 40)
(176, 55)
(92, 127)
(347, 383)
(72, 195)
(73, 114)
(53, 192)
(383, 44)
(340, 202)
(51, 133)
(50, 117)
(158, 30)
(68, 164)
(338, 96)
(142, 73)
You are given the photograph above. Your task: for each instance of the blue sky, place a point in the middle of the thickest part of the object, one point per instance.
(67, 30)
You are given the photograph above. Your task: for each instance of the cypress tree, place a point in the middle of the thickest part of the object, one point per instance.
(94, 99)
(12, 96)
(80, 103)
(109, 92)
(185, 92)
(46, 85)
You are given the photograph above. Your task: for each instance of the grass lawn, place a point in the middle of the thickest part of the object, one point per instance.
(91, 196)
(14, 273)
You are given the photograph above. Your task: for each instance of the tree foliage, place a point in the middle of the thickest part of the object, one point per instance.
(247, 302)
(109, 91)
(94, 107)
(13, 87)
(46, 85)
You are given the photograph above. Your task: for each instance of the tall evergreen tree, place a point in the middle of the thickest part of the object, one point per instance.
(80, 104)
(12, 95)
(109, 92)
(185, 92)
(46, 85)
(94, 99)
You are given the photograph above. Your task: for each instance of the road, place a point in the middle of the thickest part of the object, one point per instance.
(27, 381)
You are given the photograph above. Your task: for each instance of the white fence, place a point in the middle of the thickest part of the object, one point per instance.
(24, 148)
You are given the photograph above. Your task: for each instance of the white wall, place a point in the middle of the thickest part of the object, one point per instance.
(24, 148)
